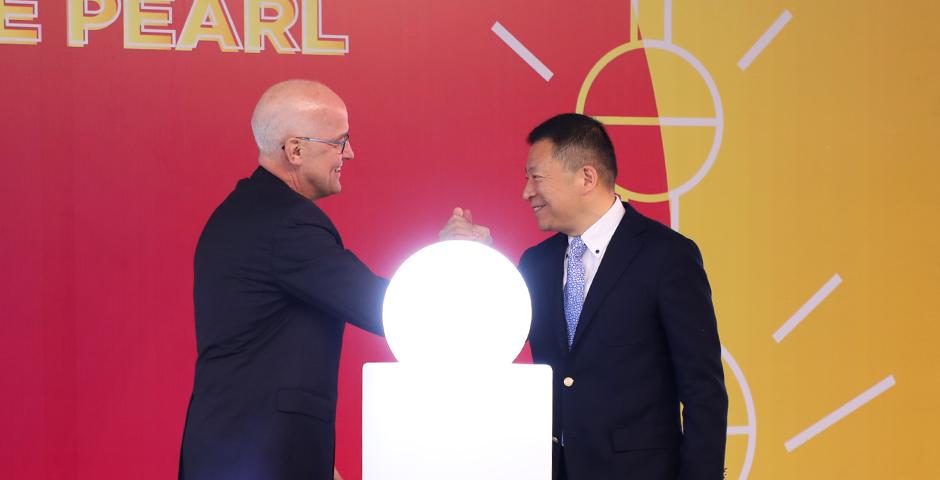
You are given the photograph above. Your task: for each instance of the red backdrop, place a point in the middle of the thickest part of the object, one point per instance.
(114, 158)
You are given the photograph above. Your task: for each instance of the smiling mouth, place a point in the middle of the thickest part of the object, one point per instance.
(536, 208)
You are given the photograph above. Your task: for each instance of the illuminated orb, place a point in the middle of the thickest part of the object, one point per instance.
(457, 303)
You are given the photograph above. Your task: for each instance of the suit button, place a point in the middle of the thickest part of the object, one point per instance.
(554, 439)
(568, 381)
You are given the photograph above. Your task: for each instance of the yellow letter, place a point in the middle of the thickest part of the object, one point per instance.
(83, 19)
(139, 17)
(260, 24)
(203, 23)
(10, 13)
(314, 42)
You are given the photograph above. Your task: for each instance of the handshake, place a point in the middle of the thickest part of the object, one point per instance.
(460, 227)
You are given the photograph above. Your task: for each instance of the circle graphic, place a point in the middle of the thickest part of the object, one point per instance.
(717, 122)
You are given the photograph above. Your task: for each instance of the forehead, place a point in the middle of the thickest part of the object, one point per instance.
(333, 112)
(327, 120)
(541, 155)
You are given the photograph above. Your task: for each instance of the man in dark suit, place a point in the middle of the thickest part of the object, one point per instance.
(274, 289)
(622, 311)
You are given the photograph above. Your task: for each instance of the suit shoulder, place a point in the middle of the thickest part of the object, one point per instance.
(542, 248)
(264, 205)
(664, 237)
(309, 212)
(284, 205)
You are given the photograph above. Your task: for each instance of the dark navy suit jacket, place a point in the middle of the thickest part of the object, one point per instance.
(273, 291)
(647, 339)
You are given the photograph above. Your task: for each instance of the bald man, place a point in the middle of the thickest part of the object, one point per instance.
(274, 288)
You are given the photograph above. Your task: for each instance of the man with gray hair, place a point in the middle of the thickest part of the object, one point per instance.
(273, 290)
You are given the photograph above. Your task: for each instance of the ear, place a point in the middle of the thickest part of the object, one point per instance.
(590, 177)
(292, 150)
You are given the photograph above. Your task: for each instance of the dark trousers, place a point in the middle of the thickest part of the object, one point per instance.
(561, 474)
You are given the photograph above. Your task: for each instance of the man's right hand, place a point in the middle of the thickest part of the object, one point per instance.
(460, 227)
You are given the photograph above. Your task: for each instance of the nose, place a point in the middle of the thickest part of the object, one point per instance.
(348, 153)
(528, 192)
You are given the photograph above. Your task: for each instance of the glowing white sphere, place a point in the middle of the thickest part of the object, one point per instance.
(457, 303)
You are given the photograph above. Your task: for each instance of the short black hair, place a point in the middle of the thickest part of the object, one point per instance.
(579, 140)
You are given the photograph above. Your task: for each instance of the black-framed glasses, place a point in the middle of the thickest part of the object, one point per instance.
(336, 143)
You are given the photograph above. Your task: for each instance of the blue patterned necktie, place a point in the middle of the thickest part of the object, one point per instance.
(574, 287)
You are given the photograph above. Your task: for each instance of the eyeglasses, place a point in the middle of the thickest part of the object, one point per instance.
(336, 143)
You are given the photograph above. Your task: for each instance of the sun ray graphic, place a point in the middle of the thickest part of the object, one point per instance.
(771, 142)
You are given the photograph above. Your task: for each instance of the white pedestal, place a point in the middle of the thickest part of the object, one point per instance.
(438, 423)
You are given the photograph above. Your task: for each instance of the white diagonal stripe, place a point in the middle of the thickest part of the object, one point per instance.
(523, 52)
(839, 414)
(740, 430)
(764, 40)
(807, 307)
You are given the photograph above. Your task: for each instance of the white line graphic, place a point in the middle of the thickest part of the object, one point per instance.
(523, 52)
(807, 308)
(674, 211)
(688, 122)
(661, 121)
(740, 430)
(667, 21)
(751, 428)
(764, 40)
(842, 412)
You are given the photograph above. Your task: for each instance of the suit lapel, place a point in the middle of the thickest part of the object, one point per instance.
(621, 251)
(555, 314)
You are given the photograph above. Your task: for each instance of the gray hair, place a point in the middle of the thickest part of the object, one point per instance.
(278, 110)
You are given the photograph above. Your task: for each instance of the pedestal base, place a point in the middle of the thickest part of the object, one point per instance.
(440, 423)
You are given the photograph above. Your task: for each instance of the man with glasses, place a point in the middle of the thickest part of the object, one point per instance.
(274, 288)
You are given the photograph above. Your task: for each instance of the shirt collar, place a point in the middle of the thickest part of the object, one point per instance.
(598, 236)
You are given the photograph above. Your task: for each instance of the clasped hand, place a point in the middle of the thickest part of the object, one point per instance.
(460, 227)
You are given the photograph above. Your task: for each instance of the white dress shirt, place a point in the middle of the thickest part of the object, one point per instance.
(596, 238)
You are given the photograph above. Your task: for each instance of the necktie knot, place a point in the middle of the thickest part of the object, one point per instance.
(577, 247)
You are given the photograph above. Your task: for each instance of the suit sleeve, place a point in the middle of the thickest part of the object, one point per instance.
(692, 333)
(309, 262)
(523, 268)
